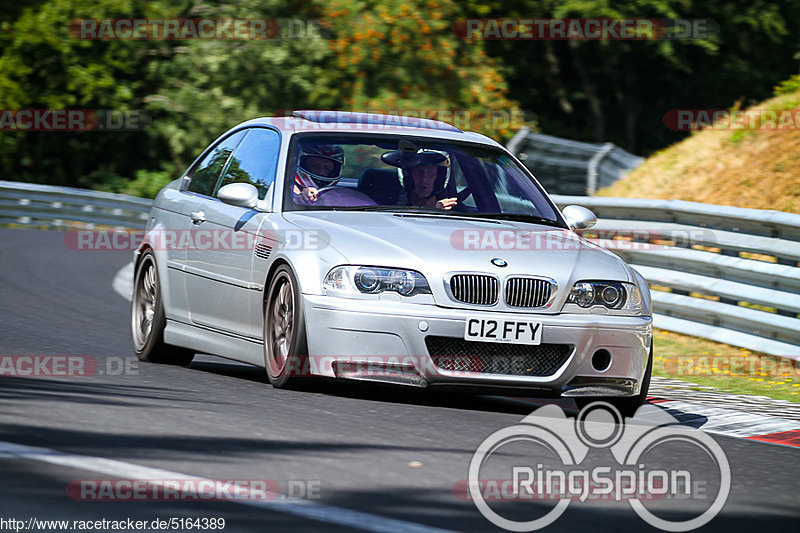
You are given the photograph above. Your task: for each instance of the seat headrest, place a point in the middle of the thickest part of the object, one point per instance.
(382, 185)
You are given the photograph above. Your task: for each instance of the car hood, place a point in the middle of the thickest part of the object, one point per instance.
(436, 245)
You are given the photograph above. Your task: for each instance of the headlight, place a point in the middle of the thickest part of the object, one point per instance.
(613, 295)
(375, 280)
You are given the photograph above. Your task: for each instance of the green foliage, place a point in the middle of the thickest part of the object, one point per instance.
(379, 55)
(146, 184)
(41, 66)
(205, 87)
(739, 135)
(402, 55)
(792, 85)
(619, 91)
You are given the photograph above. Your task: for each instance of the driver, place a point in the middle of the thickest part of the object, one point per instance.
(318, 166)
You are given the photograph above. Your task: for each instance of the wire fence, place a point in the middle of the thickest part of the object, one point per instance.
(571, 167)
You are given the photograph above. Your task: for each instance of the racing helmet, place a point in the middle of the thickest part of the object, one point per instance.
(331, 152)
(427, 157)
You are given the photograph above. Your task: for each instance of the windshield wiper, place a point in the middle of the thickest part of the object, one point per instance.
(516, 217)
(391, 208)
(416, 210)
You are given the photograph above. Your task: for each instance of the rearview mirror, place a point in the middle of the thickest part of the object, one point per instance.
(579, 217)
(239, 194)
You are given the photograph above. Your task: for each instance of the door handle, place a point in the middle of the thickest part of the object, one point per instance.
(198, 217)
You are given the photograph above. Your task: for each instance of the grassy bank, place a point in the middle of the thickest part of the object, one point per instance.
(724, 367)
(754, 164)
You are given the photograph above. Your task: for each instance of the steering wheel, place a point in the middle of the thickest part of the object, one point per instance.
(337, 196)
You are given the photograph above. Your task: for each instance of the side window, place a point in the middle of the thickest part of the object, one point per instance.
(204, 176)
(255, 160)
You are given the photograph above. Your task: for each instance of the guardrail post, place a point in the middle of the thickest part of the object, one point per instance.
(591, 168)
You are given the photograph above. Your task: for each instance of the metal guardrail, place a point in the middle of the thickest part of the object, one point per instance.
(724, 273)
(564, 166)
(61, 207)
(728, 274)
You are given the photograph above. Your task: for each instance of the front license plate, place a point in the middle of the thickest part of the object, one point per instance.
(503, 330)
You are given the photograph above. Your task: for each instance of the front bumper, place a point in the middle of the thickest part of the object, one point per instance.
(384, 340)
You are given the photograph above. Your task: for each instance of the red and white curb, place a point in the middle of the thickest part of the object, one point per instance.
(732, 422)
(714, 420)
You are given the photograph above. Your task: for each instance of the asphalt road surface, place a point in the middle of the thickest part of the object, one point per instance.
(372, 458)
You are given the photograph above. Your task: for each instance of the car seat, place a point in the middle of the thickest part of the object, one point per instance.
(382, 185)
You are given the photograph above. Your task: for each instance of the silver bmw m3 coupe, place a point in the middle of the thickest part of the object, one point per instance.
(385, 248)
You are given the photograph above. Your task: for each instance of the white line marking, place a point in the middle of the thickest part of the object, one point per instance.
(296, 507)
(123, 282)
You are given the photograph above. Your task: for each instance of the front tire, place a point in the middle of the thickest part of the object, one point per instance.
(148, 319)
(626, 406)
(285, 344)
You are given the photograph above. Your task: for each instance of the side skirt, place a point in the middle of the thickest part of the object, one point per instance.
(215, 343)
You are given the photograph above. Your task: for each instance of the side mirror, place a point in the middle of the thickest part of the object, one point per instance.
(579, 217)
(239, 194)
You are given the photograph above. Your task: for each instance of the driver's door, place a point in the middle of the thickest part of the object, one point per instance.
(222, 291)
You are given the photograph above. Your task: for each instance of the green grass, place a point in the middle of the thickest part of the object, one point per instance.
(739, 135)
(727, 368)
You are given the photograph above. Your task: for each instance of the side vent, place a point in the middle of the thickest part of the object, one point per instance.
(262, 250)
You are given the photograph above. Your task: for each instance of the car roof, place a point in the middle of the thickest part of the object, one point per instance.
(356, 122)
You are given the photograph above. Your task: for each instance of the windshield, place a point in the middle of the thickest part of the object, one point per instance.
(392, 173)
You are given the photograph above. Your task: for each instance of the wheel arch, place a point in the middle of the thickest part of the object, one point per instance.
(270, 274)
(145, 247)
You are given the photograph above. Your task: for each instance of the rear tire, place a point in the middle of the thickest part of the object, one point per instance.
(626, 406)
(148, 319)
(285, 344)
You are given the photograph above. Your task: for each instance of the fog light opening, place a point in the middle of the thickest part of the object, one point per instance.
(601, 360)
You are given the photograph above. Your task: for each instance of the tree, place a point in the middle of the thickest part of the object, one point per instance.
(620, 90)
(402, 55)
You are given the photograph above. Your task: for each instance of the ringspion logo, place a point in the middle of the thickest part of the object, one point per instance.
(567, 469)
